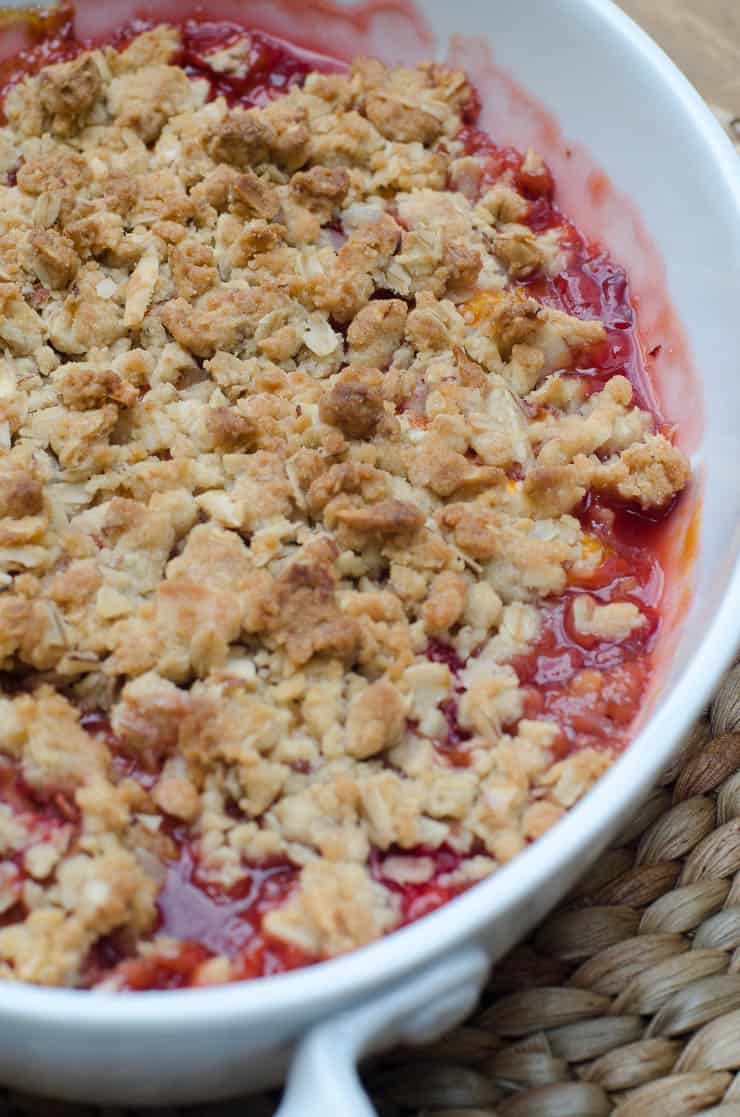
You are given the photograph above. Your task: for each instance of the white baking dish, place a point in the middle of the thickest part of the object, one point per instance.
(613, 91)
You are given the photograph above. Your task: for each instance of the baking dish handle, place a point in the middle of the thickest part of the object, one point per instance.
(323, 1078)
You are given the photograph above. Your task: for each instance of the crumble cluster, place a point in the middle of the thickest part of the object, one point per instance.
(273, 417)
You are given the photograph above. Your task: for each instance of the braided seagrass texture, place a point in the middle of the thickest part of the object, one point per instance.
(626, 1001)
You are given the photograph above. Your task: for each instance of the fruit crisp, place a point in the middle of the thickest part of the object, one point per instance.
(328, 483)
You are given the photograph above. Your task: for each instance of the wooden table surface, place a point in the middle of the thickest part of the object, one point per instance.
(703, 37)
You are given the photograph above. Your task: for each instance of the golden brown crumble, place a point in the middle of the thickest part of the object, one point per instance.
(250, 467)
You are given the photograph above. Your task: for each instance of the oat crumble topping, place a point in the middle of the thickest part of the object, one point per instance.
(292, 468)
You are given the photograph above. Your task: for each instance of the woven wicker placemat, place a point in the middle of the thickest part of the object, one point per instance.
(625, 1001)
